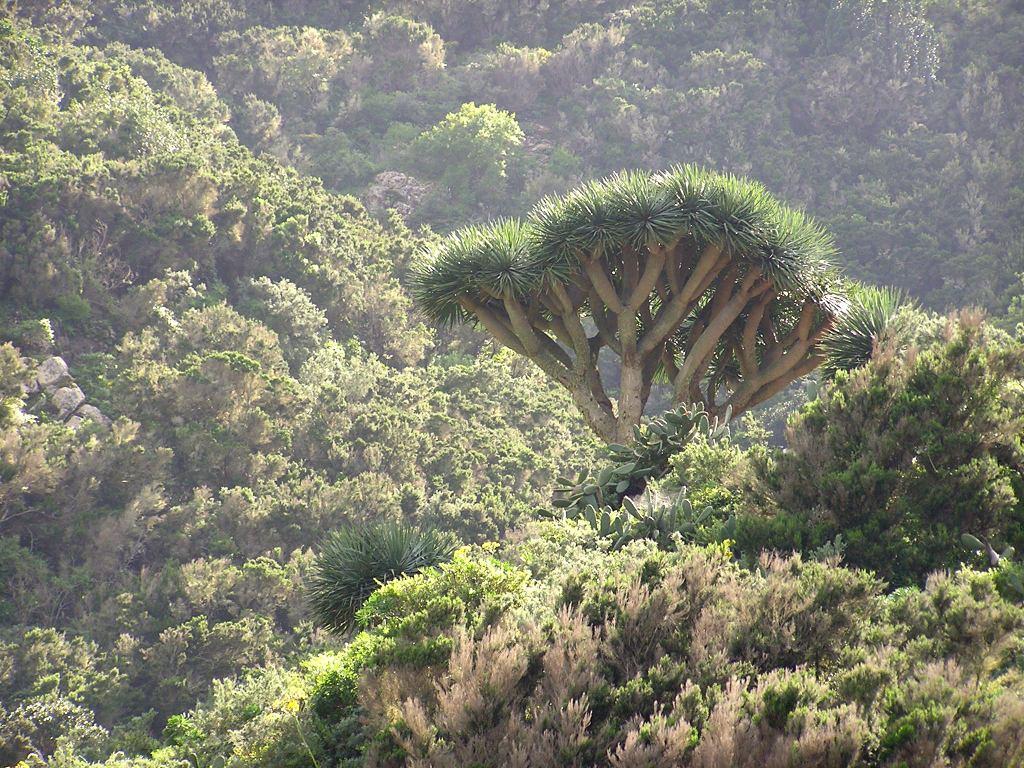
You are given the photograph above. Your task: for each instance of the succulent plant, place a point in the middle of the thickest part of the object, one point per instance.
(873, 315)
(635, 465)
(659, 519)
(600, 498)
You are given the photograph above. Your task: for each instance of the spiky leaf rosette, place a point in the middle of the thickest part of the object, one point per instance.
(699, 277)
(356, 561)
(871, 315)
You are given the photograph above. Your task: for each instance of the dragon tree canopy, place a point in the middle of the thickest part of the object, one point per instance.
(699, 278)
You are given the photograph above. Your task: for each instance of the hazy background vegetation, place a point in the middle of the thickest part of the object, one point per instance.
(209, 210)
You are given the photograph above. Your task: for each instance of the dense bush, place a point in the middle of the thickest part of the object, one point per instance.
(897, 125)
(903, 456)
(468, 153)
(248, 335)
(682, 659)
(276, 717)
(563, 652)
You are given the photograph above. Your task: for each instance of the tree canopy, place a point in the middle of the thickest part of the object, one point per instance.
(701, 278)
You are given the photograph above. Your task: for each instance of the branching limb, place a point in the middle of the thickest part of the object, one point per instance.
(602, 284)
(781, 371)
(748, 345)
(698, 358)
(652, 271)
(497, 327)
(672, 314)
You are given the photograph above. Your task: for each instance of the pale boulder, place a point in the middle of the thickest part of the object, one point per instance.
(66, 400)
(52, 374)
(92, 413)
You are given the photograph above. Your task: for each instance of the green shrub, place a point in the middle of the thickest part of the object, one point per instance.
(356, 561)
(683, 658)
(902, 457)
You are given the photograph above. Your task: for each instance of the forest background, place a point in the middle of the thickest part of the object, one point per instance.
(210, 213)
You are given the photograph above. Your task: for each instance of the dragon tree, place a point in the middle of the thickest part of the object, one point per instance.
(698, 279)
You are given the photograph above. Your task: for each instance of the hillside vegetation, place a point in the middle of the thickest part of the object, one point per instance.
(896, 124)
(261, 506)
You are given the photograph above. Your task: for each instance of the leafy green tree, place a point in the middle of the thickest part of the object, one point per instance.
(292, 68)
(288, 310)
(510, 76)
(901, 457)
(702, 278)
(468, 154)
(399, 53)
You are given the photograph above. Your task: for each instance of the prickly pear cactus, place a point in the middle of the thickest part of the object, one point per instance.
(659, 519)
(635, 465)
(605, 499)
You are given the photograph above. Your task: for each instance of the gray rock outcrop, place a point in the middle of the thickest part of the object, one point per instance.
(52, 374)
(54, 389)
(67, 400)
(90, 412)
(395, 190)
